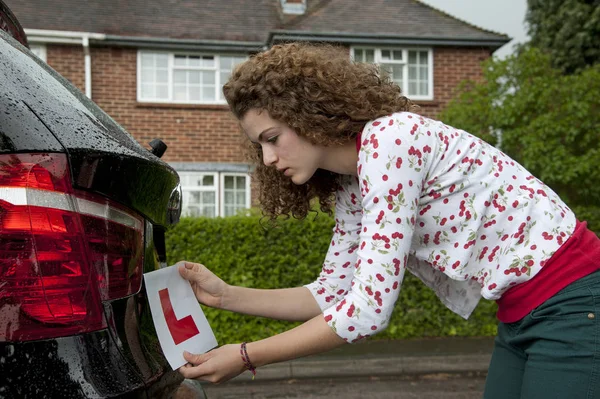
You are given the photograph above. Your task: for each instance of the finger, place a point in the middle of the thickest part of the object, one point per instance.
(194, 359)
(194, 372)
(188, 270)
(182, 270)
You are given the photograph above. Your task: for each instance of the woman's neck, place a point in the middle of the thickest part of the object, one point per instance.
(340, 159)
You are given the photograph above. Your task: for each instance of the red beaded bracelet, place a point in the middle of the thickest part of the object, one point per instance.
(246, 360)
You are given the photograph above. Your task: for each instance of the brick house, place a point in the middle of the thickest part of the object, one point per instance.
(156, 66)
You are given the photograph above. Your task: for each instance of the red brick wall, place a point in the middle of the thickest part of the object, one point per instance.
(209, 133)
(69, 62)
(450, 67)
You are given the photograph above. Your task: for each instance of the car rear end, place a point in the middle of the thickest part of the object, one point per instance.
(83, 212)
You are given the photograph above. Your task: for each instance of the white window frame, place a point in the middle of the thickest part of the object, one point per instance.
(186, 189)
(405, 50)
(222, 187)
(39, 50)
(218, 188)
(170, 81)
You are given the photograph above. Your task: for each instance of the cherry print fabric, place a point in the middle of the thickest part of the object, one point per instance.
(453, 210)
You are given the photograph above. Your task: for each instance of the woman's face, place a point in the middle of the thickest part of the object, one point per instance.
(282, 148)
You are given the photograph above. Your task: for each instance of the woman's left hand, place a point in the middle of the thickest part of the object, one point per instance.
(216, 366)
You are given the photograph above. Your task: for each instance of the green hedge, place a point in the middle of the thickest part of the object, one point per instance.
(242, 252)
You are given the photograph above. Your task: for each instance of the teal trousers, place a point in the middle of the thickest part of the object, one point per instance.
(554, 351)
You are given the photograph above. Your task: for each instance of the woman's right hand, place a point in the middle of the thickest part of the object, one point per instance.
(208, 288)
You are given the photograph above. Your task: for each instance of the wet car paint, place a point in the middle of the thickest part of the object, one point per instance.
(44, 113)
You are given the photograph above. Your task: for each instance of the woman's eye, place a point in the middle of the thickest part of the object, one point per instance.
(272, 140)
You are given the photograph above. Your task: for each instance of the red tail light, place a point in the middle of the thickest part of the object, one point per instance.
(62, 252)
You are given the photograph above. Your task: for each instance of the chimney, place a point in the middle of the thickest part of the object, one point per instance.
(293, 7)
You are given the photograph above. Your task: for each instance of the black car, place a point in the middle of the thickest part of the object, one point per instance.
(83, 213)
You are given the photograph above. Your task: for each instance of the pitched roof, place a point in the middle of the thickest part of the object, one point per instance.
(252, 21)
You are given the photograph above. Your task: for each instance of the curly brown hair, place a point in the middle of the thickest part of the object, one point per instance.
(324, 96)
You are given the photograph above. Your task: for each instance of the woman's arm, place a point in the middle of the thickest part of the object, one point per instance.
(297, 304)
(292, 304)
(309, 338)
(224, 363)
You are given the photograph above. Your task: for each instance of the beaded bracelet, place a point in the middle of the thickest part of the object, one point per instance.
(246, 360)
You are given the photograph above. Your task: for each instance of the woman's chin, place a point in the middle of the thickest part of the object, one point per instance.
(298, 180)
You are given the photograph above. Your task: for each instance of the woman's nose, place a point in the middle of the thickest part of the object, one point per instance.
(269, 157)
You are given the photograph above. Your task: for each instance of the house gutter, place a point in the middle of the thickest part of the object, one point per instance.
(44, 36)
(382, 40)
(161, 43)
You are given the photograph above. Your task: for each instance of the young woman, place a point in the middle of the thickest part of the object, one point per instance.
(409, 193)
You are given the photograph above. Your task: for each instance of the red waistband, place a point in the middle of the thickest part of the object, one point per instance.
(576, 258)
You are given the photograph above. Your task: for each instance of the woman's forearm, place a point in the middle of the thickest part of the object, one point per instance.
(293, 304)
(314, 336)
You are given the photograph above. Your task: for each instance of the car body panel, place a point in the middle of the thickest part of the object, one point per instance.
(83, 366)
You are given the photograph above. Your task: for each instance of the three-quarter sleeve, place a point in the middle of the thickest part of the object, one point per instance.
(338, 267)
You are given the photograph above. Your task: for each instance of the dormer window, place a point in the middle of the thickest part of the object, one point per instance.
(294, 7)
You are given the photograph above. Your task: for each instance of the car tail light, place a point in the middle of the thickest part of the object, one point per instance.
(62, 251)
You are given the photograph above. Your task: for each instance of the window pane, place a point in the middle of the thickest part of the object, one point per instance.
(385, 55)
(229, 211)
(412, 57)
(147, 91)
(209, 198)
(180, 93)
(208, 78)
(358, 55)
(229, 182)
(192, 211)
(412, 88)
(147, 60)
(412, 72)
(208, 61)
(423, 72)
(370, 56)
(208, 94)
(240, 182)
(162, 60)
(147, 75)
(162, 91)
(194, 93)
(180, 60)
(208, 180)
(209, 211)
(194, 197)
(162, 76)
(228, 199)
(423, 88)
(240, 198)
(226, 62)
(194, 61)
(423, 58)
(224, 76)
(179, 77)
(397, 55)
(194, 77)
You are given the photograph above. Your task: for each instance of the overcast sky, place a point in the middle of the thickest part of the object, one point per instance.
(502, 16)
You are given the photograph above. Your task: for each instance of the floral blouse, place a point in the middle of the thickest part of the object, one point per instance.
(453, 210)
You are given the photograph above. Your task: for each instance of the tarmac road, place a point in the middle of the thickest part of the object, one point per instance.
(426, 386)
